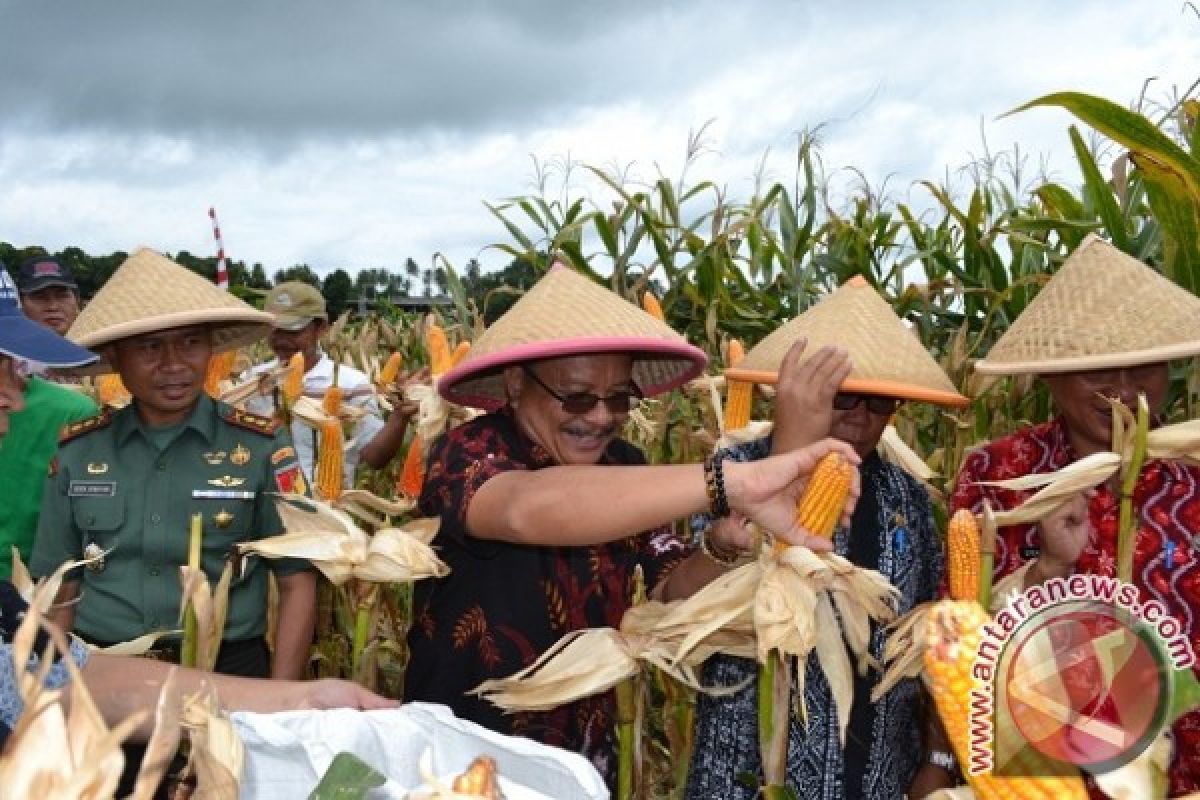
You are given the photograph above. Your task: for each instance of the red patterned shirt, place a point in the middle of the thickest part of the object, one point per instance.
(503, 604)
(1165, 566)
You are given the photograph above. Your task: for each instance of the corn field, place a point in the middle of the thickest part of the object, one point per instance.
(959, 270)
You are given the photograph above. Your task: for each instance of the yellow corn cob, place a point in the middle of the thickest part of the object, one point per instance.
(460, 352)
(332, 401)
(962, 549)
(739, 395)
(479, 780)
(293, 384)
(111, 391)
(391, 369)
(954, 634)
(820, 507)
(652, 307)
(219, 367)
(328, 477)
(439, 350)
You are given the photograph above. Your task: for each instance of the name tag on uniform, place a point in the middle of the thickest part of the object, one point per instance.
(92, 489)
(221, 494)
(1028, 553)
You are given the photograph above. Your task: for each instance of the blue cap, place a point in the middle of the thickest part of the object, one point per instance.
(21, 337)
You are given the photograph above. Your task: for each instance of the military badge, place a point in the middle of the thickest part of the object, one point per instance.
(215, 458)
(282, 454)
(290, 479)
(240, 455)
(227, 481)
(94, 555)
(223, 519)
(97, 469)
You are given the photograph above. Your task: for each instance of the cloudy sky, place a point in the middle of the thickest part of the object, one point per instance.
(354, 134)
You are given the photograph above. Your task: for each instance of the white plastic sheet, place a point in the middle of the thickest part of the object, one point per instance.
(287, 753)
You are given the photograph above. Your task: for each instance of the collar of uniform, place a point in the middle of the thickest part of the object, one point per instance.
(203, 420)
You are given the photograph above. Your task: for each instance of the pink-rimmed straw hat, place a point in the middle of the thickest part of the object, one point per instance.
(565, 314)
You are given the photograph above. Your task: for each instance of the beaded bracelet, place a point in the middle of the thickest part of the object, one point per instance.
(714, 485)
(722, 559)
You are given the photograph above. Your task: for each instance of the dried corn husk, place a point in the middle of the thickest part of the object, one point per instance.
(217, 754)
(311, 412)
(333, 543)
(52, 752)
(240, 392)
(373, 509)
(210, 607)
(164, 742)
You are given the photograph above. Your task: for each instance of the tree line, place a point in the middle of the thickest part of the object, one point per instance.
(342, 290)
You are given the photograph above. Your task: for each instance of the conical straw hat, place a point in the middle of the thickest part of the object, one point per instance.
(149, 292)
(565, 314)
(886, 357)
(1103, 309)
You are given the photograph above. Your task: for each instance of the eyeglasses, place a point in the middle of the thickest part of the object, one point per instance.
(875, 403)
(584, 402)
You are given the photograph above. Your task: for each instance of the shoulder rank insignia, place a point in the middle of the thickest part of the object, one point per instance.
(73, 430)
(265, 426)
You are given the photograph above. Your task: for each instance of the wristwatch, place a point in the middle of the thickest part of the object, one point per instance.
(943, 759)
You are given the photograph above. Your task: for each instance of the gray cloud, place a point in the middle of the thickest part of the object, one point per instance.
(294, 69)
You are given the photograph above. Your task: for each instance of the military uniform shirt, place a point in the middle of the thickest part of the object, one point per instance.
(130, 491)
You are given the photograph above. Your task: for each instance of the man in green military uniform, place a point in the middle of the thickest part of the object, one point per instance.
(125, 484)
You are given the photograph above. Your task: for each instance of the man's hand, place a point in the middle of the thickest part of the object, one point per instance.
(804, 396)
(767, 491)
(1064, 533)
(397, 394)
(330, 693)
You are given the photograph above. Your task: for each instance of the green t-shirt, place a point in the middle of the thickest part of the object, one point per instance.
(25, 453)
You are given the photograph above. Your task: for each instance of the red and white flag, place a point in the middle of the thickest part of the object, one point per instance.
(222, 272)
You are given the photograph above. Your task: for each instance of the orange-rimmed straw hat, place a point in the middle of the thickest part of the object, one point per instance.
(149, 292)
(886, 357)
(565, 314)
(1103, 309)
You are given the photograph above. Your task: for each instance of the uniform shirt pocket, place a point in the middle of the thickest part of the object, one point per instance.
(99, 515)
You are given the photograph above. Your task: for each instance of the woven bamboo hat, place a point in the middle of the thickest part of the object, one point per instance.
(886, 357)
(149, 292)
(565, 314)
(1103, 309)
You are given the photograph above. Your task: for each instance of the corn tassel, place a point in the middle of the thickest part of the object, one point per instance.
(821, 505)
(330, 462)
(955, 632)
(652, 307)
(219, 368)
(387, 375)
(293, 384)
(739, 395)
(331, 403)
(963, 551)
(439, 349)
(111, 391)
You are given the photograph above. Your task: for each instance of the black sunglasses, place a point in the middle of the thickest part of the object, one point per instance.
(875, 403)
(584, 402)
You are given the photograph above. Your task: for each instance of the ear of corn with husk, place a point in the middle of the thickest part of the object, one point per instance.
(329, 471)
(111, 391)
(739, 395)
(220, 366)
(335, 545)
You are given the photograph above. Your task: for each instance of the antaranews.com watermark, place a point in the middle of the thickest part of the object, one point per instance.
(1077, 668)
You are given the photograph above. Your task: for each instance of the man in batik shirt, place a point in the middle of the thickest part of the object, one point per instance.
(1085, 354)
(545, 513)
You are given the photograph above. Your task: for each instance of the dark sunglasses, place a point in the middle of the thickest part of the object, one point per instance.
(875, 403)
(584, 402)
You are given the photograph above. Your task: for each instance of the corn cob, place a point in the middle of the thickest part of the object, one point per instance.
(652, 307)
(739, 395)
(460, 352)
(330, 462)
(219, 367)
(293, 384)
(955, 631)
(391, 369)
(412, 474)
(479, 780)
(821, 505)
(331, 403)
(111, 391)
(439, 349)
(962, 548)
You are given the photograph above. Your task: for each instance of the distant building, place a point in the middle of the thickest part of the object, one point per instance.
(364, 305)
